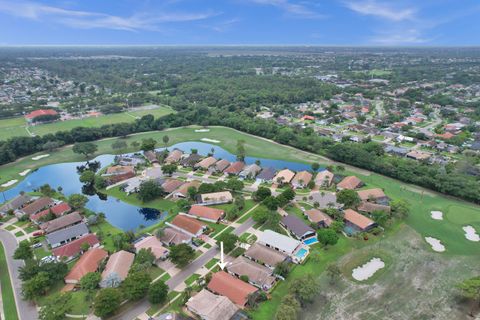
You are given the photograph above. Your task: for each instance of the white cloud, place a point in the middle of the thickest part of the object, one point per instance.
(381, 10)
(290, 8)
(403, 37)
(92, 20)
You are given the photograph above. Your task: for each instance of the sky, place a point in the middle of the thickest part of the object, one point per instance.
(241, 22)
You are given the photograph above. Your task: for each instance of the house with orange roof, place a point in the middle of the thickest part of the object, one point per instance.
(234, 289)
(350, 182)
(117, 269)
(358, 221)
(152, 243)
(301, 179)
(373, 195)
(206, 213)
(88, 262)
(189, 225)
(284, 176)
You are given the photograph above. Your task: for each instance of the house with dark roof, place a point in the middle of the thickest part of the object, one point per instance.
(369, 207)
(171, 185)
(36, 206)
(15, 204)
(182, 191)
(191, 160)
(62, 222)
(297, 227)
(234, 289)
(266, 175)
(151, 156)
(258, 275)
(265, 255)
(63, 236)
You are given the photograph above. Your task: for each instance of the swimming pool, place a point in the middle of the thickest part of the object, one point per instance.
(310, 241)
(301, 253)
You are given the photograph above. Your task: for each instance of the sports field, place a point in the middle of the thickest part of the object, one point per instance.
(18, 126)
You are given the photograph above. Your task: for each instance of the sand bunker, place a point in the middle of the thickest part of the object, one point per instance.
(24, 173)
(210, 140)
(471, 234)
(437, 215)
(9, 183)
(202, 130)
(436, 244)
(367, 270)
(40, 157)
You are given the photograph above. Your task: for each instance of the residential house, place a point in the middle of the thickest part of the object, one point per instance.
(373, 195)
(301, 179)
(63, 236)
(235, 168)
(151, 156)
(358, 221)
(258, 275)
(398, 151)
(188, 225)
(70, 250)
(325, 199)
(154, 173)
(129, 160)
(152, 243)
(30, 117)
(58, 210)
(115, 174)
(297, 227)
(206, 163)
(284, 176)
(171, 236)
(171, 185)
(117, 269)
(191, 160)
(319, 218)
(15, 204)
(36, 206)
(215, 198)
(293, 248)
(350, 182)
(182, 192)
(133, 185)
(62, 222)
(219, 166)
(209, 306)
(419, 155)
(206, 213)
(174, 156)
(267, 175)
(324, 178)
(369, 207)
(250, 171)
(88, 262)
(234, 289)
(265, 255)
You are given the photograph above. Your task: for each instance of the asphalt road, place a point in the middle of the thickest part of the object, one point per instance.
(26, 310)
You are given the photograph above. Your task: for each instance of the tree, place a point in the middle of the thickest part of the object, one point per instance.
(85, 246)
(119, 145)
(192, 192)
(36, 286)
(148, 144)
(46, 190)
(56, 306)
(470, 289)
(23, 252)
(165, 140)
(400, 208)
(77, 201)
(51, 145)
(327, 237)
(380, 217)
(229, 241)
(158, 292)
(145, 256)
(235, 184)
(241, 150)
(315, 166)
(271, 203)
(87, 177)
(85, 148)
(334, 273)
(349, 198)
(239, 202)
(305, 288)
(288, 309)
(283, 269)
(149, 190)
(169, 169)
(106, 302)
(136, 285)
(261, 194)
(337, 226)
(90, 281)
(181, 254)
(232, 214)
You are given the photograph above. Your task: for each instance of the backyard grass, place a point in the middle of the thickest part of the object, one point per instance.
(40, 253)
(80, 304)
(107, 231)
(155, 272)
(8, 298)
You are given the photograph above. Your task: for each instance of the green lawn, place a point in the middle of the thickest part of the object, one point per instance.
(10, 228)
(40, 253)
(81, 306)
(211, 263)
(13, 127)
(155, 272)
(108, 231)
(19, 234)
(190, 280)
(8, 298)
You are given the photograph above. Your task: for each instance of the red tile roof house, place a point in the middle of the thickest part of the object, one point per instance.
(358, 221)
(234, 289)
(117, 269)
(206, 213)
(58, 210)
(219, 166)
(373, 195)
(205, 163)
(301, 179)
(39, 113)
(70, 250)
(36, 206)
(171, 185)
(190, 226)
(235, 168)
(116, 174)
(324, 178)
(174, 156)
(350, 182)
(89, 262)
(153, 244)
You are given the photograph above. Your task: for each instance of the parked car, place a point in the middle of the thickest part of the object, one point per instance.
(47, 259)
(38, 233)
(37, 245)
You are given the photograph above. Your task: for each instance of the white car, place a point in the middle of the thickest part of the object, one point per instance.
(37, 245)
(47, 259)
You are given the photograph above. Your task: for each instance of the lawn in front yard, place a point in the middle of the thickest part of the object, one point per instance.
(190, 280)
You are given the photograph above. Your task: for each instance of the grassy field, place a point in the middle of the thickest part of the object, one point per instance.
(17, 126)
(8, 298)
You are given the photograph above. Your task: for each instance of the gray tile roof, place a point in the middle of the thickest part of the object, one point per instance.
(68, 233)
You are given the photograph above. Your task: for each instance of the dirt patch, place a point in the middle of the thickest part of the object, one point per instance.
(419, 284)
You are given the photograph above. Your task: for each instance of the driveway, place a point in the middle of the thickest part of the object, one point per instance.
(26, 310)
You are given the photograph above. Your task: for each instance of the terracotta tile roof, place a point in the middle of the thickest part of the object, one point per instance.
(174, 156)
(222, 165)
(41, 112)
(235, 168)
(284, 175)
(171, 185)
(88, 262)
(183, 190)
(302, 177)
(188, 224)
(58, 210)
(317, 216)
(154, 244)
(73, 248)
(324, 177)
(206, 212)
(62, 222)
(37, 205)
(375, 193)
(234, 289)
(119, 263)
(206, 163)
(357, 219)
(350, 182)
